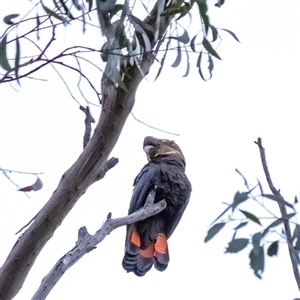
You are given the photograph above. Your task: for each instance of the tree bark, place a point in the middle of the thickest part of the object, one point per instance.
(91, 166)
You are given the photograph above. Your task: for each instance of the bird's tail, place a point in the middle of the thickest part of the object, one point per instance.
(140, 261)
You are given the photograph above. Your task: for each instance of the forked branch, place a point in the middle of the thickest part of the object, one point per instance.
(87, 243)
(283, 211)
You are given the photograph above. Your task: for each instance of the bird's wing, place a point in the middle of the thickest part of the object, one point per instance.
(143, 183)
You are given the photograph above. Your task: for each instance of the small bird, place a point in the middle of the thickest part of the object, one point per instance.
(146, 241)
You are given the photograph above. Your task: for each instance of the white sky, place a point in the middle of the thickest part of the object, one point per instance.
(254, 92)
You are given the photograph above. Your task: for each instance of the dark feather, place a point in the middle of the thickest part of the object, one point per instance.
(165, 171)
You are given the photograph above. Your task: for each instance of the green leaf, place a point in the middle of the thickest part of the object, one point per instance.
(239, 198)
(257, 260)
(232, 34)
(106, 5)
(54, 14)
(184, 38)
(213, 231)
(185, 10)
(159, 19)
(210, 66)
(162, 62)
(177, 61)
(242, 224)
(203, 13)
(105, 51)
(200, 72)
(17, 60)
(139, 29)
(279, 221)
(188, 63)
(273, 249)
(174, 9)
(90, 2)
(66, 9)
(141, 23)
(209, 48)
(121, 35)
(237, 245)
(171, 11)
(38, 23)
(192, 43)
(278, 199)
(3, 57)
(220, 3)
(250, 216)
(7, 19)
(256, 238)
(115, 9)
(76, 4)
(214, 32)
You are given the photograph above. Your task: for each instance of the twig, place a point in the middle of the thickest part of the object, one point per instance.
(5, 174)
(26, 225)
(88, 124)
(177, 134)
(21, 172)
(87, 243)
(283, 211)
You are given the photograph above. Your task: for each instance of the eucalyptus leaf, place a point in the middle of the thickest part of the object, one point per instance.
(203, 13)
(3, 56)
(51, 13)
(237, 245)
(8, 19)
(273, 249)
(279, 199)
(17, 59)
(177, 61)
(231, 33)
(208, 47)
(257, 260)
(250, 216)
(213, 231)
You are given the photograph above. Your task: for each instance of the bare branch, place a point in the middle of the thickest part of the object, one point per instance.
(177, 134)
(88, 124)
(5, 174)
(87, 243)
(90, 166)
(283, 211)
(20, 172)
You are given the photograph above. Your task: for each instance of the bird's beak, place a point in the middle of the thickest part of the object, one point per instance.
(146, 149)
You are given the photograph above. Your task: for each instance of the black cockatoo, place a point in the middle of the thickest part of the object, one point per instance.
(146, 241)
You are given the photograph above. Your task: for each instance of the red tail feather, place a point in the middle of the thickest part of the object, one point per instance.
(140, 261)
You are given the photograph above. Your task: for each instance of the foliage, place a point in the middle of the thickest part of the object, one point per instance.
(268, 235)
(128, 39)
(129, 46)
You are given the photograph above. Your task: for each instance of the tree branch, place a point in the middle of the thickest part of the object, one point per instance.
(283, 212)
(90, 166)
(88, 124)
(87, 243)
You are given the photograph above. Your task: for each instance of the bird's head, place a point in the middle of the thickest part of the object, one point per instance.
(157, 149)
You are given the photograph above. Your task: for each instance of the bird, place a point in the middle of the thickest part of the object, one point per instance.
(146, 241)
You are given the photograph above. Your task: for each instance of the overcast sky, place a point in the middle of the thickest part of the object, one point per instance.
(254, 93)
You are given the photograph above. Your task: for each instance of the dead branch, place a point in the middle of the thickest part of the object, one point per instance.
(90, 166)
(283, 211)
(88, 124)
(87, 243)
